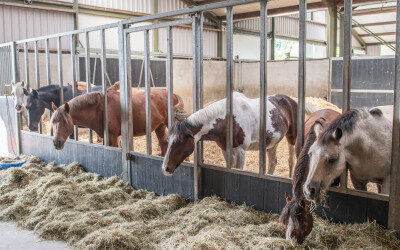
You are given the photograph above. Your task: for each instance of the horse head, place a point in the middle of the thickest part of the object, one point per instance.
(36, 107)
(180, 146)
(297, 218)
(62, 124)
(327, 156)
(19, 93)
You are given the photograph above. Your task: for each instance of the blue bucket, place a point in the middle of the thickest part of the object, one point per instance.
(5, 165)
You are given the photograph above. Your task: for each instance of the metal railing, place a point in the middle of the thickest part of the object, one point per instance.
(196, 20)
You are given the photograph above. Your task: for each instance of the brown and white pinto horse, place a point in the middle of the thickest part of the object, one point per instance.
(87, 111)
(210, 124)
(296, 215)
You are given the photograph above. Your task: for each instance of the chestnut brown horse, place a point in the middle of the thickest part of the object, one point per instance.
(296, 215)
(87, 111)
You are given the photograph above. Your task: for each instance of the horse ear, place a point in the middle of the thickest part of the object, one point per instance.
(66, 107)
(34, 93)
(318, 128)
(26, 91)
(337, 134)
(287, 197)
(12, 83)
(53, 106)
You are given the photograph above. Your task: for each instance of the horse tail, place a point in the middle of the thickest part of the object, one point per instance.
(179, 111)
(309, 109)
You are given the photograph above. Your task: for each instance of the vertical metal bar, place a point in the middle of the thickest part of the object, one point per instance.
(60, 73)
(87, 69)
(200, 83)
(229, 86)
(26, 59)
(126, 102)
(37, 76)
(103, 83)
(73, 72)
(15, 78)
(48, 80)
(147, 89)
(347, 26)
(301, 88)
(48, 76)
(394, 195)
(263, 86)
(170, 84)
(196, 82)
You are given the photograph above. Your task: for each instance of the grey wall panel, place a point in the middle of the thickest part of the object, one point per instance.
(94, 158)
(366, 74)
(359, 100)
(147, 174)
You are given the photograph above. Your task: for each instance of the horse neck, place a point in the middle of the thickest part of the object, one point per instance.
(206, 117)
(87, 115)
(302, 166)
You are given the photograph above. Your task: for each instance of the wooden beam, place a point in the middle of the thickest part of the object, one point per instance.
(358, 38)
(379, 34)
(332, 25)
(374, 11)
(208, 15)
(373, 44)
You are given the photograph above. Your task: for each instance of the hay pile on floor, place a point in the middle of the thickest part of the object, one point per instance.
(91, 212)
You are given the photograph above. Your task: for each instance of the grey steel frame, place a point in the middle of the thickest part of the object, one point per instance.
(197, 24)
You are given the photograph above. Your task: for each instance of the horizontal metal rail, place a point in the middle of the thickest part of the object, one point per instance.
(159, 25)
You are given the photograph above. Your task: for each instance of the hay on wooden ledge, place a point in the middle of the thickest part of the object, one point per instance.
(91, 212)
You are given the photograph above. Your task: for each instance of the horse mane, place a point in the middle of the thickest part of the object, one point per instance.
(182, 128)
(212, 110)
(85, 99)
(76, 103)
(346, 122)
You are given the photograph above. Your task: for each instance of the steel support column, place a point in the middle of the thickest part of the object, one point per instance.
(263, 87)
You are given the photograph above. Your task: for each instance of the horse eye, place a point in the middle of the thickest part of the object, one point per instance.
(331, 160)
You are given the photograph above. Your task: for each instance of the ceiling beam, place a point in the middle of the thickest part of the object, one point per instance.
(374, 44)
(374, 11)
(379, 34)
(374, 24)
(209, 15)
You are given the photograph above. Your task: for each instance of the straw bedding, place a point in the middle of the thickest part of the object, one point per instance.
(88, 211)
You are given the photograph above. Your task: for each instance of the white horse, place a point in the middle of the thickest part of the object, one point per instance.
(360, 139)
(210, 124)
(20, 94)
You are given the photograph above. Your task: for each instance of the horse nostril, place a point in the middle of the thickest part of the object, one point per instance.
(312, 191)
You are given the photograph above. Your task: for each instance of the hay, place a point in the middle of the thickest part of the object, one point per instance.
(91, 212)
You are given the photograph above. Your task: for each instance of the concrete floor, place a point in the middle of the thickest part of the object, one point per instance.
(13, 238)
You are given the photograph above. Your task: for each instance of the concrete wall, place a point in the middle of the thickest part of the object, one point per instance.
(282, 79)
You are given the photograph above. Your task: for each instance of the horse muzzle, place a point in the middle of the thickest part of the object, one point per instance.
(312, 190)
(18, 108)
(33, 128)
(58, 144)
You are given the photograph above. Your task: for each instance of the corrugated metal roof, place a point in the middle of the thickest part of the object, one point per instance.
(142, 6)
(20, 23)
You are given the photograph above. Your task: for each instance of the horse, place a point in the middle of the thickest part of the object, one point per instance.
(19, 94)
(296, 215)
(210, 124)
(360, 139)
(41, 99)
(87, 111)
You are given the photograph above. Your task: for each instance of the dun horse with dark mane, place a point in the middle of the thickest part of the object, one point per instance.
(87, 111)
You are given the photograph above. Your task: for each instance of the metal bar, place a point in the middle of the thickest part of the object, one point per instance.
(394, 197)
(37, 77)
(60, 73)
(104, 84)
(302, 73)
(169, 71)
(126, 101)
(26, 59)
(87, 70)
(48, 77)
(200, 147)
(73, 72)
(229, 86)
(347, 26)
(195, 61)
(147, 89)
(159, 25)
(15, 78)
(263, 87)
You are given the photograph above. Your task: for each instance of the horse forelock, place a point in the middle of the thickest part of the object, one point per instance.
(346, 122)
(59, 116)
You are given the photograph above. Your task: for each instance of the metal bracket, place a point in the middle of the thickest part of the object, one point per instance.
(129, 156)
